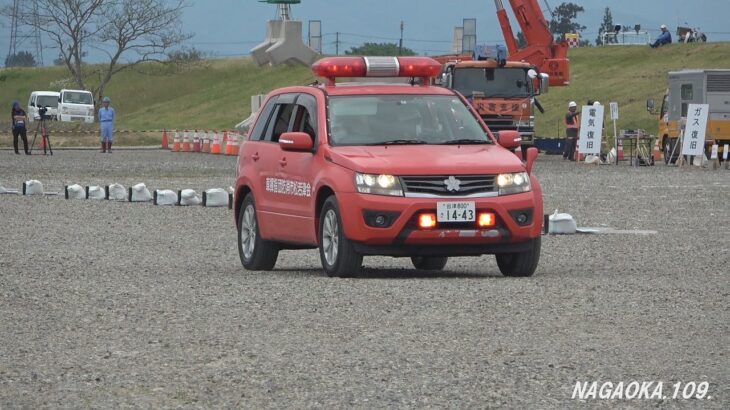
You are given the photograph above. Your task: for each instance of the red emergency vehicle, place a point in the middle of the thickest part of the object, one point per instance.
(406, 170)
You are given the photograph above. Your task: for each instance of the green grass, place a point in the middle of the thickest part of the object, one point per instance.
(627, 75)
(216, 94)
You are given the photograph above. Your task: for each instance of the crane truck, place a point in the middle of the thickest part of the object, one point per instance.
(503, 90)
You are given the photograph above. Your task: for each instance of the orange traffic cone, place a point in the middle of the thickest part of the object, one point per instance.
(206, 142)
(196, 142)
(620, 152)
(657, 152)
(224, 144)
(186, 142)
(164, 139)
(232, 145)
(176, 142)
(215, 146)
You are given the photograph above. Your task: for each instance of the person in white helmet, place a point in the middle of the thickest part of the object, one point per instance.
(665, 37)
(572, 125)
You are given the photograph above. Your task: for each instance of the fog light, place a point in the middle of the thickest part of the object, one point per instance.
(426, 221)
(522, 219)
(486, 219)
(380, 220)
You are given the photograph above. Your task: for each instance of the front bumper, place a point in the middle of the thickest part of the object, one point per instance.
(403, 236)
(82, 118)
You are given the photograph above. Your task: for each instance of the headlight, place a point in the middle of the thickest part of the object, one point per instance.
(513, 183)
(378, 184)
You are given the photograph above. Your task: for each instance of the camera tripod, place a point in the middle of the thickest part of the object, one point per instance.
(45, 136)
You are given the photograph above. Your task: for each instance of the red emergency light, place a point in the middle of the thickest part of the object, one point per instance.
(333, 67)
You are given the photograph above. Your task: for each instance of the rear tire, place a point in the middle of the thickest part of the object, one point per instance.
(429, 262)
(336, 252)
(520, 264)
(255, 252)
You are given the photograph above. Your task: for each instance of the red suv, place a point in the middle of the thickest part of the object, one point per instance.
(399, 169)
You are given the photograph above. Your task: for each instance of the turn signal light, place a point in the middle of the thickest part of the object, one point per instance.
(486, 219)
(427, 221)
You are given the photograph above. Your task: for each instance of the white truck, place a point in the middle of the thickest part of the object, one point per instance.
(47, 99)
(76, 105)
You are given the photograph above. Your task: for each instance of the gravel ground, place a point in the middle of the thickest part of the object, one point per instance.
(109, 305)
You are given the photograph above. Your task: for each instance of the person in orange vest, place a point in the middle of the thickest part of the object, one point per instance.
(572, 125)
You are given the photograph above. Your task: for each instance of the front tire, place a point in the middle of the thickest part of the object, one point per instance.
(255, 252)
(429, 262)
(336, 252)
(520, 264)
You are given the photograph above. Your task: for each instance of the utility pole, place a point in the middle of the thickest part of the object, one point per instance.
(337, 43)
(400, 43)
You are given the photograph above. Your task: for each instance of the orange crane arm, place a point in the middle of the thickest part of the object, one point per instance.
(541, 50)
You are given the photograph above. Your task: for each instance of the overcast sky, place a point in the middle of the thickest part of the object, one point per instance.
(226, 28)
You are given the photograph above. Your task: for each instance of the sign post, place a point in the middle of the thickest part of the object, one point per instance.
(693, 142)
(591, 128)
(614, 117)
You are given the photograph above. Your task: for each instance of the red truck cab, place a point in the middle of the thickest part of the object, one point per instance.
(405, 170)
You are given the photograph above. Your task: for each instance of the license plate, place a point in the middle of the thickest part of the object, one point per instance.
(455, 211)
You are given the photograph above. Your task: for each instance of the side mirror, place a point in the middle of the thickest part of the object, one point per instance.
(544, 83)
(296, 141)
(32, 104)
(59, 99)
(650, 105)
(531, 157)
(509, 139)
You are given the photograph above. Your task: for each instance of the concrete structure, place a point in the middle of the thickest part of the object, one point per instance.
(283, 43)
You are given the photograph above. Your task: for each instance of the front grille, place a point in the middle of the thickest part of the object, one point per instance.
(718, 82)
(436, 185)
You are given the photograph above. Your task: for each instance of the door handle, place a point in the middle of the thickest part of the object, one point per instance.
(282, 162)
(255, 156)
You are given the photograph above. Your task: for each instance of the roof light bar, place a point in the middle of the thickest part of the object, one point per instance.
(333, 67)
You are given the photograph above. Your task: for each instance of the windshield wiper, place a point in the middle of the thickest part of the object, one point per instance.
(399, 142)
(465, 141)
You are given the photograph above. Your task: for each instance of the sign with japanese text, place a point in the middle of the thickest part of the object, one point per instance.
(614, 110)
(591, 128)
(694, 132)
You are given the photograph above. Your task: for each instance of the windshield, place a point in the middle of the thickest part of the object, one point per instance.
(77, 97)
(47, 101)
(493, 82)
(402, 119)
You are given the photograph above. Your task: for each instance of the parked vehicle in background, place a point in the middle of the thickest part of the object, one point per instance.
(694, 87)
(48, 99)
(76, 105)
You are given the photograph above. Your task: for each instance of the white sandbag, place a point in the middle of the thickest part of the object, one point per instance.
(32, 187)
(593, 159)
(139, 193)
(94, 192)
(116, 192)
(165, 197)
(75, 191)
(611, 157)
(189, 197)
(215, 197)
(561, 223)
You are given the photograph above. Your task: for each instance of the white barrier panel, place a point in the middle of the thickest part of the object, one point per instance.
(4, 190)
(139, 193)
(116, 192)
(95, 192)
(32, 187)
(188, 197)
(75, 191)
(164, 197)
(215, 197)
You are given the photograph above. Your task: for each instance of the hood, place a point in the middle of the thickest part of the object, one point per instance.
(427, 159)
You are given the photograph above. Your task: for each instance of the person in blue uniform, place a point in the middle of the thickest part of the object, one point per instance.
(19, 119)
(664, 38)
(106, 120)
